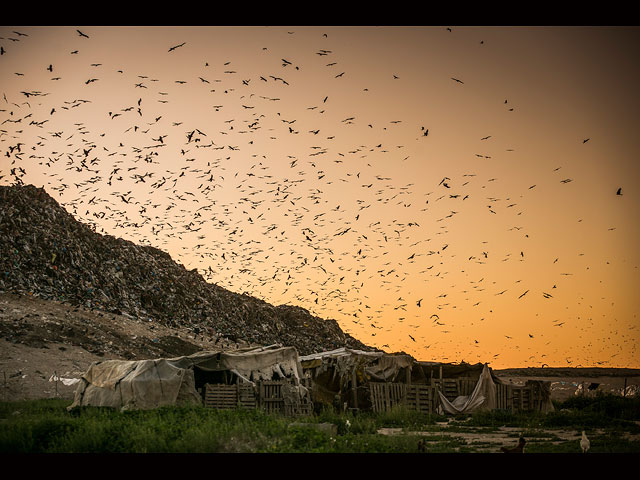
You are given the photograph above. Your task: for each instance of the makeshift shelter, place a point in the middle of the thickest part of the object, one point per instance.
(378, 381)
(483, 396)
(344, 377)
(253, 377)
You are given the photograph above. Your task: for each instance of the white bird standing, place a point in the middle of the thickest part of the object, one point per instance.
(585, 444)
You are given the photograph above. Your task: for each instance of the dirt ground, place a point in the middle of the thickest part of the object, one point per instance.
(45, 346)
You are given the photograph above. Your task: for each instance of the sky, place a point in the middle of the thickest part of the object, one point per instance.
(458, 193)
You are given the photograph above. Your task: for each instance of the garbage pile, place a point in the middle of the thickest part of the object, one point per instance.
(47, 253)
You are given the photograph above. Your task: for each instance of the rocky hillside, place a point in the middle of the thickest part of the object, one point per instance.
(45, 252)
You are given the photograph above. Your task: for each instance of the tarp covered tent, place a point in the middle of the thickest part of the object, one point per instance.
(482, 398)
(338, 375)
(145, 384)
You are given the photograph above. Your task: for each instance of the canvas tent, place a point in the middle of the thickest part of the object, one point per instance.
(145, 384)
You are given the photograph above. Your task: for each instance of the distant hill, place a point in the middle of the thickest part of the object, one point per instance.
(47, 253)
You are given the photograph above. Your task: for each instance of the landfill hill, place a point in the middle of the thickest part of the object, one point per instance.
(47, 254)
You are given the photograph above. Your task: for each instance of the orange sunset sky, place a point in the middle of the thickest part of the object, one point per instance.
(447, 191)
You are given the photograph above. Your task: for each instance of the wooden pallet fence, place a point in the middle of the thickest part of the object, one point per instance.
(221, 396)
(448, 386)
(385, 396)
(503, 393)
(247, 396)
(466, 386)
(521, 398)
(270, 397)
(421, 398)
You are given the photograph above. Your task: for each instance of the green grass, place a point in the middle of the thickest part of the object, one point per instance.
(45, 426)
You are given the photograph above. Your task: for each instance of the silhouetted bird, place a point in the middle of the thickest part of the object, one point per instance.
(517, 449)
(176, 46)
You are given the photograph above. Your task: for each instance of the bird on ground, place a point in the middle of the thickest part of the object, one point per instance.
(517, 449)
(585, 444)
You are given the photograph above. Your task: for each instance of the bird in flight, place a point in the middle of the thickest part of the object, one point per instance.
(455, 79)
(82, 34)
(176, 46)
(619, 192)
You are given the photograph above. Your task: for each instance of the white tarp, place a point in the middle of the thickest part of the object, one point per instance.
(483, 396)
(147, 384)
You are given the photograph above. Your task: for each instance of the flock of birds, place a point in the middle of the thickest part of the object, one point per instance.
(325, 227)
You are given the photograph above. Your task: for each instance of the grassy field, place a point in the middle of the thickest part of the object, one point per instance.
(45, 426)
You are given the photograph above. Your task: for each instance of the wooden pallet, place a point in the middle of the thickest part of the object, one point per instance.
(384, 396)
(449, 387)
(421, 398)
(503, 394)
(247, 396)
(466, 386)
(270, 396)
(518, 398)
(223, 396)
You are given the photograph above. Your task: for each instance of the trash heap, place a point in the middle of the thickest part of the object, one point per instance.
(47, 253)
